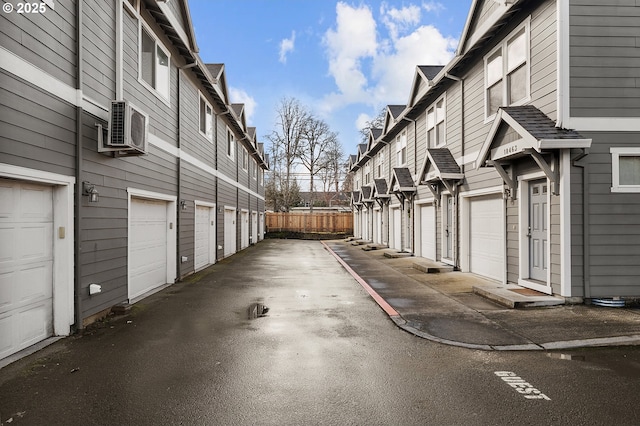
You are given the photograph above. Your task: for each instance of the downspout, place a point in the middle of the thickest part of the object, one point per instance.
(179, 183)
(586, 239)
(455, 215)
(412, 225)
(78, 192)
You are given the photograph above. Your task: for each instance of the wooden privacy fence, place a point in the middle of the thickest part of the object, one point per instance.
(309, 222)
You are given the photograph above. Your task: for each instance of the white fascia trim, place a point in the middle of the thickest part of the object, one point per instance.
(603, 124)
(565, 225)
(39, 78)
(482, 191)
(174, 23)
(204, 203)
(563, 143)
(429, 200)
(562, 60)
(151, 195)
(14, 64)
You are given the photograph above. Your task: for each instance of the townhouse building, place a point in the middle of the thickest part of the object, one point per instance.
(519, 160)
(124, 166)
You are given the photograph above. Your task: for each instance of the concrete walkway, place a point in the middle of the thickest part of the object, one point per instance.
(462, 309)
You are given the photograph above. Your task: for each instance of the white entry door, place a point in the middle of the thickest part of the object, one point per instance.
(428, 231)
(205, 238)
(397, 229)
(147, 246)
(26, 265)
(538, 230)
(254, 227)
(229, 232)
(486, 236)
(244, 229)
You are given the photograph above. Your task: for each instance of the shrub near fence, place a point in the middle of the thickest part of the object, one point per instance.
(309, 223)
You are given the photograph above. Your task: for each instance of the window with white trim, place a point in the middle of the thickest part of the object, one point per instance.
(506, 71)
(230, 144)
(379, 164)
(254, 169)
(206, 119)
(401, 149)
(625, 169)
(154, 63)
(367, 174)
(436, 125)
(245, 159)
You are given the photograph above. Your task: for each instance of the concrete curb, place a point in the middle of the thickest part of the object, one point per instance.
(403, 324)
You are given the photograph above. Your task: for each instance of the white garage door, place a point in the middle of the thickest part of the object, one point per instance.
(147, 246)
(229, 232)
(205, 237)
(428, 231)
(244, 229)
(396, 227)
(486, 237)
(26, 265)
(254, 227)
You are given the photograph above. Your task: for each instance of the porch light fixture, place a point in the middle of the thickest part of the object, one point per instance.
(183, 204)
(90, 190)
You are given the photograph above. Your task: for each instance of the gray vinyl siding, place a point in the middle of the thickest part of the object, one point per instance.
(104, 231)
(174, 6)
(543, 67)
(46, 40)
(38, 131)
(191, 140)
(613, 222)
(513, 242)
(162, 119)
(485, 10)
(98, 51)
(605, 58)
(577, 233)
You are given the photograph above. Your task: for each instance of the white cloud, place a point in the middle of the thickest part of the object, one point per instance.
(287, 45)
(239, 96)
(375, 69)
(362, 120)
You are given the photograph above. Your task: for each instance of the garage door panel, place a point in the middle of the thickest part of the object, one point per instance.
(428, 232)
(147, 246)
(204, 236)
(26, 265)
(487, 237)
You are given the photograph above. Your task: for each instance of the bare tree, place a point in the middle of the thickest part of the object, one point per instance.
(376, 123)
(317, 137)
(285, 146)
(333, 172)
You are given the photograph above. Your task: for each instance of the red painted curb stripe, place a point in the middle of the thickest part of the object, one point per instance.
(379, 300)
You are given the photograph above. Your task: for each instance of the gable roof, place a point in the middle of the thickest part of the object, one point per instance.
(525, 127)
(443, 166)
(422, 81)
(380, 189)
(366, 193)
(401, 180)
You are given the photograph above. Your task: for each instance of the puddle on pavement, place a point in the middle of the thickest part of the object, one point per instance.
(566, 357)
(257, 310)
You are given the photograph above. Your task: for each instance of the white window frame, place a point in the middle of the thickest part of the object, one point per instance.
(231, 147)
(165, 97)
(367, 174)
(379, 164)
(401, 149)
(502, 47)
(254, 169)
(437, 119)
(616, 153)
(245, 159)
(208, 114)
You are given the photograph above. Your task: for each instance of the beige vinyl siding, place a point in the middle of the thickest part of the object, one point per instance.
(46, 40)
(605, 59)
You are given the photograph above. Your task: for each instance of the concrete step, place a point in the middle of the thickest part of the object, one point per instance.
(431, 267)
(394, 254)
(370, 247)
(360, 242)
(514, 296)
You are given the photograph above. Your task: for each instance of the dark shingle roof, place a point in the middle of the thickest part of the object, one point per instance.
(366, 192)
(376, 133)
(403, 176)
(538, 124)
(380, 187)
(430, 71)
(396, 110)
(443, 160)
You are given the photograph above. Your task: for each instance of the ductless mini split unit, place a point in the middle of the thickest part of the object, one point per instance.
(127, 130)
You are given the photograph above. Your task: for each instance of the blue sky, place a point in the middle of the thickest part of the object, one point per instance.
(344, 60)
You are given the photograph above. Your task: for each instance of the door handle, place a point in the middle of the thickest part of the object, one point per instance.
(529, 232)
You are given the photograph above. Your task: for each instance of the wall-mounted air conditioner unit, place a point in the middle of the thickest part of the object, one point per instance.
(127, 131)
